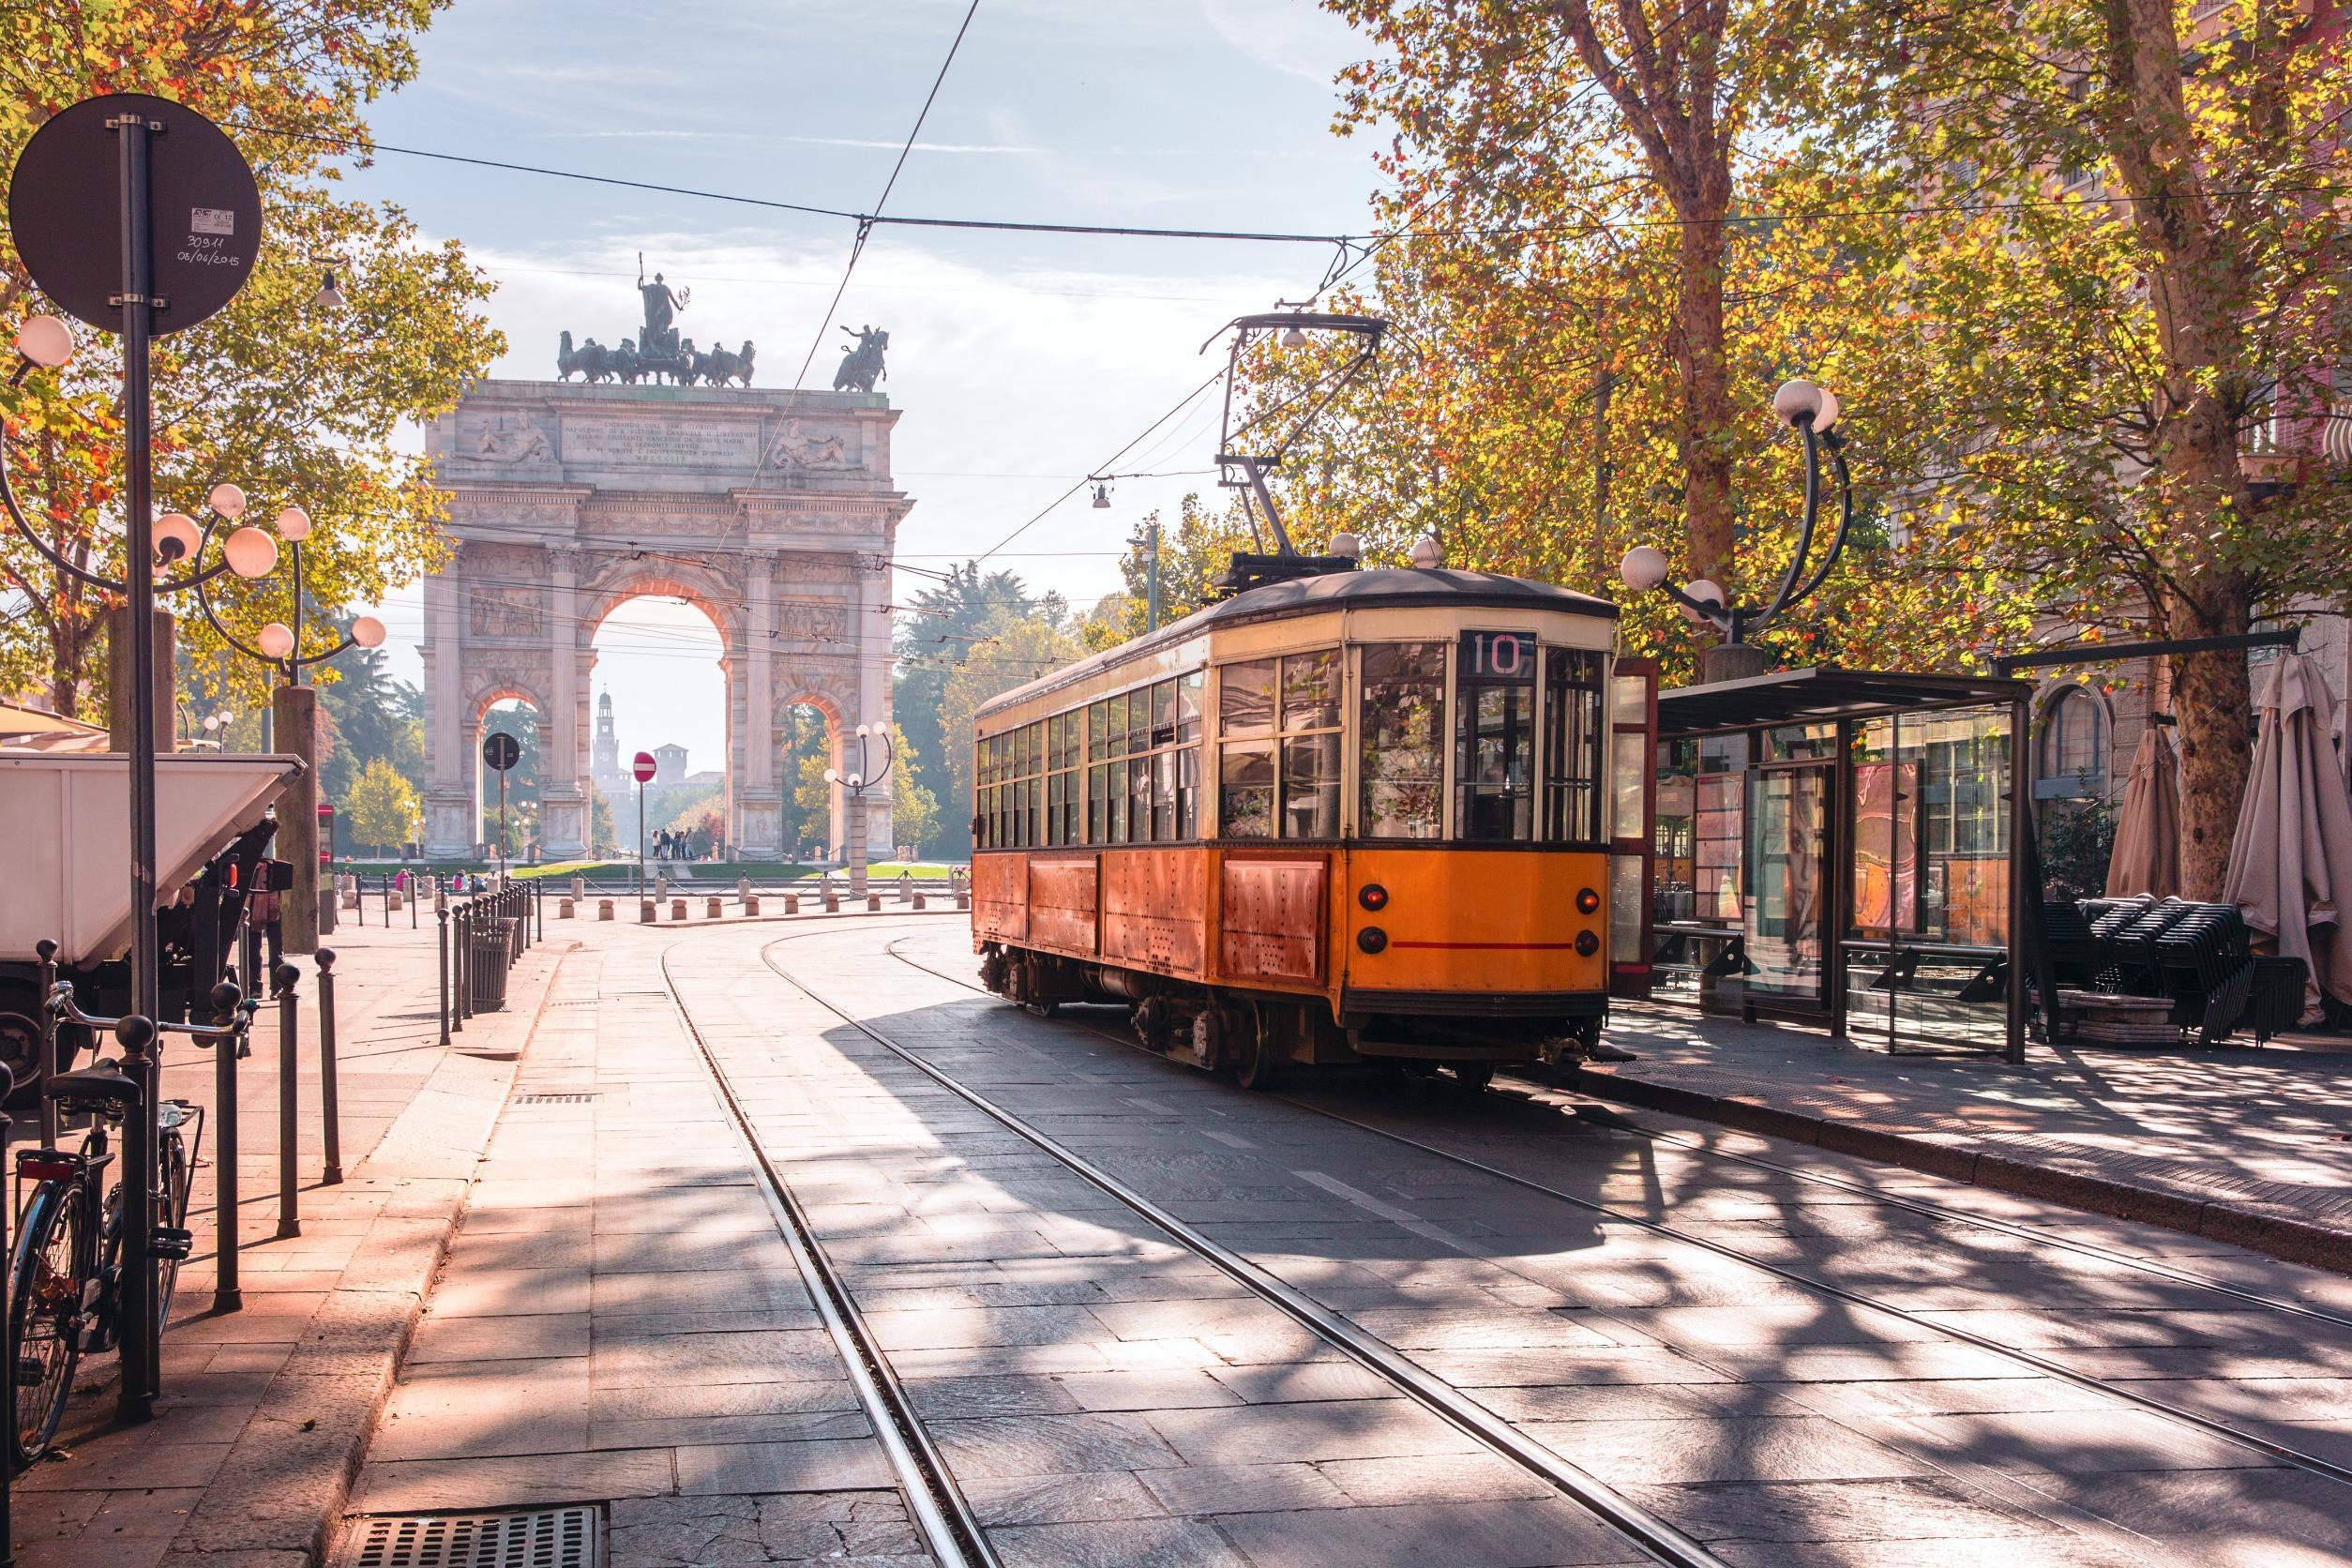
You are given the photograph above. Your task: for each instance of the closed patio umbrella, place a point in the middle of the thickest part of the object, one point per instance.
(2146, 855)
(2290, 863)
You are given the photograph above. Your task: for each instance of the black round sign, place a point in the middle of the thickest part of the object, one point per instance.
(204, 211)
(500, 750)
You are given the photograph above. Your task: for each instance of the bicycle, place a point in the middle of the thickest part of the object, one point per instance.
(65, 1277)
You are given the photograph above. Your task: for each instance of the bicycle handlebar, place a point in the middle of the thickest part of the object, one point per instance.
(61, 1002)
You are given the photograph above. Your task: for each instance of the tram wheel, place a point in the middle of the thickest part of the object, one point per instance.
(1474, 1077)
(1259, 1065)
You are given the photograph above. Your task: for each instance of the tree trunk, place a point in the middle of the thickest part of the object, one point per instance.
(2199, 290)
(1707, 425)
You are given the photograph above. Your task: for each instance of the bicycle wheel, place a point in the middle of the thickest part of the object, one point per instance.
(45, 1318)
(176, 1176)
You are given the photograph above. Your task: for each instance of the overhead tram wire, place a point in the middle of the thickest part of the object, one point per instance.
(1109, 462)
(866, 224)
(368, 148)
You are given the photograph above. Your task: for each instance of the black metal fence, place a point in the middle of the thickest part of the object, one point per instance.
(481, 938)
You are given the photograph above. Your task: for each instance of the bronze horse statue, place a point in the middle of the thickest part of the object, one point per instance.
(592, 360)
(721, 367)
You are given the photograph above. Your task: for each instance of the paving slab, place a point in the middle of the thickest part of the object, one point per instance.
(2233, 1144)
(266, 1410)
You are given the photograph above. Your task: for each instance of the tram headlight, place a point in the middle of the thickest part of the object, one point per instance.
(1587, 945)
(1588, 903)
(1373, 896)
(1372, 939)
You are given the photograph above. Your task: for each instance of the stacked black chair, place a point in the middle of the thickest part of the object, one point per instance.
(2208, 957)
(2275, 1001)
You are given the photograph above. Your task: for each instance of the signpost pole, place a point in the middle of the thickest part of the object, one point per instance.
(137, 1399)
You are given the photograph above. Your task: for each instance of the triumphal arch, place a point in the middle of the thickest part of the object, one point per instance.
(773, 512)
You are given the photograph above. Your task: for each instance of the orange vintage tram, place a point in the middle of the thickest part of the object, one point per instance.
(1343, 815)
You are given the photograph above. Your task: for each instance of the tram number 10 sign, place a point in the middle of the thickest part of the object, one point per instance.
(1496, 655)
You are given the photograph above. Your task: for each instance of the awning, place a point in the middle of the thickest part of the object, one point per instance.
(1822, 693)
(32, 729)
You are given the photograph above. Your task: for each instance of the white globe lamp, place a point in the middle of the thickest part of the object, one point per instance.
(293, 524)
(228, 501)
(251, 552)
(276, 641)
(1644, 569)
(368, 632)
(45, 340)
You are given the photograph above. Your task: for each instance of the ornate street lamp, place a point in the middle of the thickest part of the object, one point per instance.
(1813, 411)
(857, 783)
(252, 553)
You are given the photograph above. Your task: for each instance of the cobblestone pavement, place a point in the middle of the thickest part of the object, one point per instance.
(266, 1409)
(619, 1318)
(2253, 1146)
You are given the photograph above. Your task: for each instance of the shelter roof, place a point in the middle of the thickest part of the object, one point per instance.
(1820, 693)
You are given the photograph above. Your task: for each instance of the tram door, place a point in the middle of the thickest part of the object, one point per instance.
(1633, 832)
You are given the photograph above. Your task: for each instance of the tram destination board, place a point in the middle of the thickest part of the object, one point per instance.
(1496, 655)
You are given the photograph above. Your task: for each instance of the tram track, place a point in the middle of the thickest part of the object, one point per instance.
(1644, 1529)
(2254, 1442)
(950, 1527)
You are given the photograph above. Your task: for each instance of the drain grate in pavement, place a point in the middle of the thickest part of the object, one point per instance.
(591, 1097)
(567, 1537)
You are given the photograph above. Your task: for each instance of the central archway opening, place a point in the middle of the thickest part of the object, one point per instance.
(660, 657)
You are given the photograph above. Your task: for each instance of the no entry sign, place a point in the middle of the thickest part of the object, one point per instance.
(644, 768)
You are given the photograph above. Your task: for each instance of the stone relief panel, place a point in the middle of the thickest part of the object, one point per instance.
(505, 611)
(504, 440)
(812, 620)
(806, 448)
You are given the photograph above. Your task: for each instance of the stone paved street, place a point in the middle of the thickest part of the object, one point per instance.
(1789, 1354)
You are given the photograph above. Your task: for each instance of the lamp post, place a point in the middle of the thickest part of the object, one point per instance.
(172, 248)
(856, 784)
(252, 553)
(1813, 411)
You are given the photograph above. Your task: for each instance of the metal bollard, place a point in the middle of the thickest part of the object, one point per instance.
(462, 958)
(442, 914)
(135, 1400)
(330, 1111)
(47, 951)
(288, 1104)
(227, 1293)
(8, 1516)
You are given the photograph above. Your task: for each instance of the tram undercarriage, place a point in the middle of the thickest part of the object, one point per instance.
(1255, 1034)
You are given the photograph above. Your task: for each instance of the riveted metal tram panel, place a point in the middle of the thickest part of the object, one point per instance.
(570, 1536)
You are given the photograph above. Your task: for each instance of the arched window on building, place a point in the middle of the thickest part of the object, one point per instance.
(2074, 746)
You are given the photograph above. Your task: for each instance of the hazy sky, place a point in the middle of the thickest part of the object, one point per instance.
(1020, 361)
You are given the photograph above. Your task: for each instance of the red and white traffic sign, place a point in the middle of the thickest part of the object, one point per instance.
(644, 768)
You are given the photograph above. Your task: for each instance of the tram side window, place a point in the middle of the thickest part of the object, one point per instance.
(1572, 746)
(1097, 773)
(1188, 692)
(1402, 777)
(1246, 753)
(1310, 744)
(1495, 737)
(1278, 757)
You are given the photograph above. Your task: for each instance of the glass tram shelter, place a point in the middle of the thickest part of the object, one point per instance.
(1841, 847)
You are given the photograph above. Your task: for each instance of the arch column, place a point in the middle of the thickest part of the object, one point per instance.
(758, 824)
(450, 813)
(563, 803)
